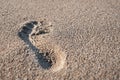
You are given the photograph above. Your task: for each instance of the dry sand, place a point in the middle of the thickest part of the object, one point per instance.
(79, 40)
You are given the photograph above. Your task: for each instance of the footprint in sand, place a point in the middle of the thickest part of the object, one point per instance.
(50, 56)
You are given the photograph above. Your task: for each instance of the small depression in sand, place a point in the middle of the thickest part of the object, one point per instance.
(50, 56)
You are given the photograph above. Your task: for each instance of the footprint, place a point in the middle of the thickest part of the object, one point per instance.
(49, 55)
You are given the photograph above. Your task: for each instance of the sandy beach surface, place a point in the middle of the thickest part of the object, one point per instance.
(59, 39)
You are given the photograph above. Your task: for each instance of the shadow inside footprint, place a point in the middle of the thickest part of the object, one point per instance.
(24, 35)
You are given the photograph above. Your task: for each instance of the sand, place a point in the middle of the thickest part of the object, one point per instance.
(59, 39)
